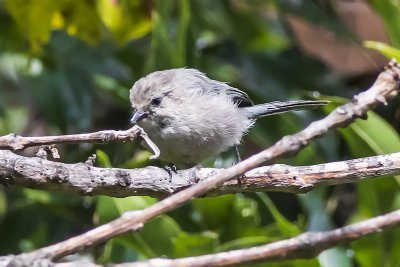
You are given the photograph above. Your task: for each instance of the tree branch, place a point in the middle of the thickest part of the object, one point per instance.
(306, 245)
(85, 179)
(386, 86)
(16, 142)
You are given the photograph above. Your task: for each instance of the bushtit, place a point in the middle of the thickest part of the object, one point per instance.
(191, 117)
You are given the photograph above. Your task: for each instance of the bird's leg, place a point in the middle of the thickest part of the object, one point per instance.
(238, 159)
(170, 170)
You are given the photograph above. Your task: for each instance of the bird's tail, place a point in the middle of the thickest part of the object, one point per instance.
(277, 107)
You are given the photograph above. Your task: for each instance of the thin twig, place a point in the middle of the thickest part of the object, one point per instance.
(16, 142)
(385, 86)
(85, 179)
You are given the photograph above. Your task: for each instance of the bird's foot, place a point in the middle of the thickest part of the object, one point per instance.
(170, 170)
(241, 177)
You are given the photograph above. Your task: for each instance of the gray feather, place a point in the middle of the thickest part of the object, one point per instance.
(210, 86)
(278, 107)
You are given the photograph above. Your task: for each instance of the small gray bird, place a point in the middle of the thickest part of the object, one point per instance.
(191, 117)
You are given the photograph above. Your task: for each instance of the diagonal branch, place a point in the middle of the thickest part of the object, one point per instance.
(85, 179)
(306, 245)
(386, 86)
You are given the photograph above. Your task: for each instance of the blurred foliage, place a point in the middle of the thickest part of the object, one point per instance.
(389, 11)
(67, 66)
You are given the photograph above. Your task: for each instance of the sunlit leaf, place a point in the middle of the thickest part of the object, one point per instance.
(367, 137)
(140, 159)
(14, 121)
(390, 13)
(102, 159)
(34, 19)
(126, 20)
(388, 51)
(37, 196)
(79, 18)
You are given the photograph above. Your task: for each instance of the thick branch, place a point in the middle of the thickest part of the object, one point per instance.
(152, 181)
(386, 86)
(17, 142)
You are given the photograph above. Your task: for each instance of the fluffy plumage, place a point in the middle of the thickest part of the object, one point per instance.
(191, 117)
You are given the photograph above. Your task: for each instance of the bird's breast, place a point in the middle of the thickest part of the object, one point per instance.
(188, 140)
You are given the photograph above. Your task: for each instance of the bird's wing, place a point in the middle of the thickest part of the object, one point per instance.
(209, 86)
(239, 97)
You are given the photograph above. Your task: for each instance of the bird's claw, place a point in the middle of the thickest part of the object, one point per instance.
(170, 170)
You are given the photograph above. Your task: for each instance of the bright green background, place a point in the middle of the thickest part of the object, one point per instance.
(66, 67)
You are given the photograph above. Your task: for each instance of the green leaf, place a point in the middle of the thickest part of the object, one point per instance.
(286, 227)
(37, 238)
(214, 211)
(111, 85)
(388, 51)
(378, 134)
(78, 18)
(155, 239)
(102, 159)
(390, 13)
(161, 53)
(3, 205)
(37, 196)
(138, 160)
(245, 218)
(158, 234)
(377, 249)
(232, 216)
(109, 208)
(184, 20)
(14, 121)
(186, 245)
(126, 19)
(33, 18)
(367, 137)
(117, 251)
(319, 220)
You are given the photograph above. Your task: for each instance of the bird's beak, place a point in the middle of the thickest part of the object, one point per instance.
(137, 116)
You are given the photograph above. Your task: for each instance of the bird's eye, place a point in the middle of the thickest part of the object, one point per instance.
(156, 101)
